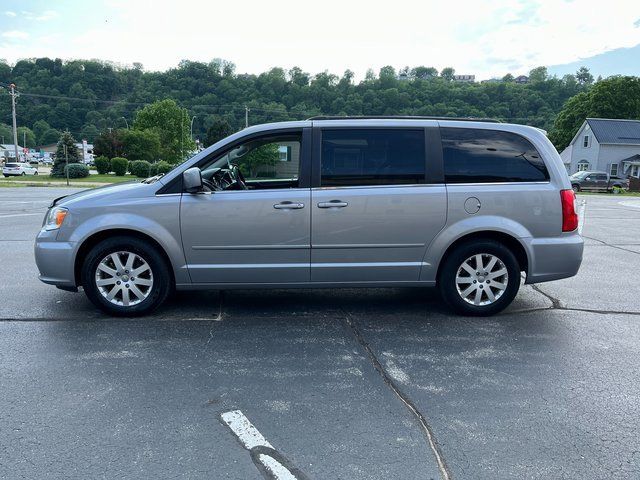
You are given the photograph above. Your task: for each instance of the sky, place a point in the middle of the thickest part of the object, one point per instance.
(485, 38)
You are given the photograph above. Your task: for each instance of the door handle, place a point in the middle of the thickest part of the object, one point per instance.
(333, 204)
(288, 206)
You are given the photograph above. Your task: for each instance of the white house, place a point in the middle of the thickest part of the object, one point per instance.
(606, 145)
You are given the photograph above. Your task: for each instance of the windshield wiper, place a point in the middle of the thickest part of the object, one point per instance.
(153, 179)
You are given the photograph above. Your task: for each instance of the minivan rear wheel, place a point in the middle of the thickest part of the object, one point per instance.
(479, 278)
(125, 276)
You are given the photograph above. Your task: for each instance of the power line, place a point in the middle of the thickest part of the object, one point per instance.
(240, 107)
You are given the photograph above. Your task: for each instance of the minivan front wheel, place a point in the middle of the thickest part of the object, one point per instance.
(479, 278)
(125, 276)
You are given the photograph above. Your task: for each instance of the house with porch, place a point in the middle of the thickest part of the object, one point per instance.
(606, 145)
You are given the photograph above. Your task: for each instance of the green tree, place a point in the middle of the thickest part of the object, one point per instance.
(424, 72)
(108, 144)
(252, 162)
(26, 137)
(141, 145)
(447, 73)
(583, 76)
(89, 132)
(508, 78)
(218, 130)
(72, 154)
(209, 89)
(538, 75)
(172, 124)
(49, 136)
(39, 127)
(6, 133)
(615, 97)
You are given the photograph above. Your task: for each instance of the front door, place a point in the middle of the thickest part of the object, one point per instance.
(260, 234)
(373, 213)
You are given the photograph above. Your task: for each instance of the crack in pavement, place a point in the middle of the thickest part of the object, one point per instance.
(557, 305)
(611, 245)
(426, 428)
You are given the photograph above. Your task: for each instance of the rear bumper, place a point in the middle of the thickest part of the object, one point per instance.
(554, 258)
(55, 260)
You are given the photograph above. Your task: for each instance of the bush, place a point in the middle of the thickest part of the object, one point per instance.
(119, 166)
(163, 167)
(140, 168)
(103, 165)
(76, 170)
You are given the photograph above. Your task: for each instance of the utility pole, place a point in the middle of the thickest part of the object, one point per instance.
(182, 138)
(246, 116)
(66, 162)
(191, 128)
(12, 92)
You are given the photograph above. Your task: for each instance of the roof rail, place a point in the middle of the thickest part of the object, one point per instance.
(402, 117)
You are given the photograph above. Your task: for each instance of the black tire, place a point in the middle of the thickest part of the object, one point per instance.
(454, 261)
(35, 173)
(158, 292)
(24, 174)
(576, 187)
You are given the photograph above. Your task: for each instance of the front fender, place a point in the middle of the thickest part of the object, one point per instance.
(167, 237)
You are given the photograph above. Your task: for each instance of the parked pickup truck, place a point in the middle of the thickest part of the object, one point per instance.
(596, 181)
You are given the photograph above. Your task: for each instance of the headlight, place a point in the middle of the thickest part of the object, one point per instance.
(54, 218)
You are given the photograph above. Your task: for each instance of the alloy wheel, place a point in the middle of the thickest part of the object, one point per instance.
(124, 278)
(482, 279)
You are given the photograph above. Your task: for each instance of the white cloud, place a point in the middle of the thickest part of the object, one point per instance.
(15, 34)
(9, 13)
(38, 17)
(486, 38)
(46, 15)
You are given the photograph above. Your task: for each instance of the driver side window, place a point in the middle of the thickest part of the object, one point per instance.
(265, 162)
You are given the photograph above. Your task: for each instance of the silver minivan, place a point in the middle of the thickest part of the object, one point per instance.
(468, 206)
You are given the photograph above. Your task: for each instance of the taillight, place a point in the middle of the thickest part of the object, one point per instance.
(569, 214)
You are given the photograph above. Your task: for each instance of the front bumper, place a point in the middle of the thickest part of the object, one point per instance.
(554, 258)
(55, 260)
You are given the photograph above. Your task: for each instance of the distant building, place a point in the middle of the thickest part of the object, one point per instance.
(522, 79)
(8, 152)
(85, 150)
(606, 145)
(464, 78)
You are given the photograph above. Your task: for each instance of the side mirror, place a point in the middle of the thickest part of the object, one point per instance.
(192, 180)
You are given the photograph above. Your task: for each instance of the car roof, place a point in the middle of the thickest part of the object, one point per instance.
(395, 121)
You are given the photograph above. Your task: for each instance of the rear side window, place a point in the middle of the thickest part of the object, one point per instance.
(353, 157)
(483, 156)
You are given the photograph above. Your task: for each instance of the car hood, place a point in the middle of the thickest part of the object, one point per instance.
(122, 190)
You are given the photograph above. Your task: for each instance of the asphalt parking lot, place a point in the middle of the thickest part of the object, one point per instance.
(326, 384)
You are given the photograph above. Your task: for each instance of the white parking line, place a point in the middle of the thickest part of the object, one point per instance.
(276, 469)
(582, 211)
(630, 203)
(244, 430)
(251, 438)
(21, 215)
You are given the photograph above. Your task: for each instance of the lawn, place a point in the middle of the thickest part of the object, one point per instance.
(622, 194)
(107, 178)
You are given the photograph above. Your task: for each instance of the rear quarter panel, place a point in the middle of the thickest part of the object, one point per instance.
(523, 210)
